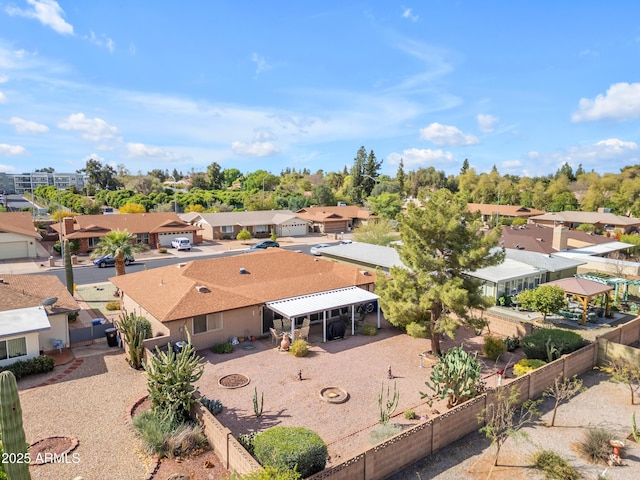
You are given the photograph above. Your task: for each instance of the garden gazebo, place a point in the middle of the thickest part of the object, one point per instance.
(584, 290)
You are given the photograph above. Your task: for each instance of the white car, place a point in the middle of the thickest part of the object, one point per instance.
(181, 243)
(317, 249)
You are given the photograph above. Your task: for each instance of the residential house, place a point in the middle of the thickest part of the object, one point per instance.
(18, 235)
(153, 229)
(215, 299)
(490, 212)
(260, 223)
(602, 220)
(364, 255)
(334, 219)
(34, 311)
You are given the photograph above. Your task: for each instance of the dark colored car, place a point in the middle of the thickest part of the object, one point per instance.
(264, 244)
(109, 261)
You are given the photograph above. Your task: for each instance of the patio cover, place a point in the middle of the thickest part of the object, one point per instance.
(583, 289)
(321, 302)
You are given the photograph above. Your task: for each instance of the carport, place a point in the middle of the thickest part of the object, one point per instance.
(322, 302)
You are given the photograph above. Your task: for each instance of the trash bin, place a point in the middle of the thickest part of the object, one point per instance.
(112, 337)
(178, 346)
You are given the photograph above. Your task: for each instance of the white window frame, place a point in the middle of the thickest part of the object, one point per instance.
(226, 229)
(213, 323)
(11, 350)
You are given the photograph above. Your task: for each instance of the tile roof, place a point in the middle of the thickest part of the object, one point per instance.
(18, 222)
(504, 210)
(603, 218)
(244, 219)
(539, 238)
(23, 291)
(328, 214)
(170, 293)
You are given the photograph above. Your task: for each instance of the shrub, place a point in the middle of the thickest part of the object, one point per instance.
(549, 344)
(247, 441)
(525, 365)
(417, 330)
(410, 415)
(163, 434)
(554, 466)
(33, 366)
(369, 329)
(214, 406)
(113, 306)
(271, 473)
(243, 235)
(224, 347)
(74, 246)
(512, 343)
(493, 347)
(382, 432)
(299, 348)
(291, 448)
(595, 445)
(162, 250)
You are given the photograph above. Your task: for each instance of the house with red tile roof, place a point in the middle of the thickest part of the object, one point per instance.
(334, 219)
(152, 229)
(33, 312)
(491, 211)
(602, 220)
(18, 235)
(215, 299)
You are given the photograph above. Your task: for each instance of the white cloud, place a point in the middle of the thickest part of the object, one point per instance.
(27, 126)
(409, 15)
(11, 150)
(102, 41)
(94, 130)
(6, 168)
(443, 135)
(3, 98)
(261, 64)
(510, 164)
(486, 123)
(142, 150)
(3, 78)
(48, 12)
(414, 157)
(255, 149)
(621, 102)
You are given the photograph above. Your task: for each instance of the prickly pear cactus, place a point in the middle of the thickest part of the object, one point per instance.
(14, 442)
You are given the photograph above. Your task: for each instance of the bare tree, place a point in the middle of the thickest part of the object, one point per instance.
(563, 390)
(622, 371)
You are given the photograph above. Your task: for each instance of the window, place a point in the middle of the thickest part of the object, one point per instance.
(261, 229)
(94, 241)
(207, 323)
(226, 229)
(16, 347)
(142, 238)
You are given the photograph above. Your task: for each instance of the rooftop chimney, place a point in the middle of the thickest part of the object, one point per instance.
(560, 236)
(67, 227)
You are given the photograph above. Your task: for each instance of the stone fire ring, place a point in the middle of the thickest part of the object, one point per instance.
(334, 395)
(42, 449)
(234, 380)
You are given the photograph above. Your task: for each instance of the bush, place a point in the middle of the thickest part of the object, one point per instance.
(595, 445)
(525, 366)
(382, 432)
(224, 347)
(271, 473)
(410, 415)
(369, 329)
(549, 344)
(512, 343)
(162, 250)
(113, 306)
(33, 366)
(299, 348)
(417, 330)
(164, 435)
(214, 406)
(243, 235)
(291, 448)
(493, 347)
(74, 246)
(554, 466)
(247, 441)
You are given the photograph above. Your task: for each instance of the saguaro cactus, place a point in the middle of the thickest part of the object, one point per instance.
(14, 442)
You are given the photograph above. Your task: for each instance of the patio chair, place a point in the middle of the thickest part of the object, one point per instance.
(286, 324)
(277, 324)
(57, 344)
(306, 322)
(302, 332)
(276, 337)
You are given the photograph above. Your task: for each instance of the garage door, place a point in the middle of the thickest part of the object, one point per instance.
(14, 250)
(165, 238)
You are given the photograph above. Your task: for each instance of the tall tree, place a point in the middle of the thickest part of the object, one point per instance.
(400, 176)
(101, 176)
(356, 189)
(118, 244)
(465, 167)
(440, 244)
(215, 176)
(370, 173)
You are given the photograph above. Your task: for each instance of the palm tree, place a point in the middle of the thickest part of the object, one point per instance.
(119, 244)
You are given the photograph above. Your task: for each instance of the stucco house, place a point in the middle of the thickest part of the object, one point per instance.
(18, 235)
(153, 229)
(490, 212)
(334, 219)
(33, 312)
(215, 299)
(260, 223)
(602, 220)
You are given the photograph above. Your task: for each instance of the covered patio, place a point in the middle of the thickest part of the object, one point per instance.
(583, 290)
(331, 301)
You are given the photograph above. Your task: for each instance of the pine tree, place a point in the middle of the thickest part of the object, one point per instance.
(400, 177)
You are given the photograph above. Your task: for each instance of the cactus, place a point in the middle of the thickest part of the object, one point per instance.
(68, 267)
(257, 406)
(134, 331)
(388, 408)
(214, 406)
(634, 428)
(14, 442)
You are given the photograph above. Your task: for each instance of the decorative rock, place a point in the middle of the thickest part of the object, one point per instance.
(178, 476)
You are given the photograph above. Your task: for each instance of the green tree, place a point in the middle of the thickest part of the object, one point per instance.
(370, 174)
(387, 205)
(132, 208)
(546, 299)
(101, 176)
(379, 232)
(118, 244)
(323, 195)
(356, 188)
(440, 245)
(401, 177)
(231, 175)
(215, 176)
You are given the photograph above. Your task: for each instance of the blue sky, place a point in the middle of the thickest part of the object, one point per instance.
(524, 86)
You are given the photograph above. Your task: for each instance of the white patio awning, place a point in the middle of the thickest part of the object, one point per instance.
(321, 301)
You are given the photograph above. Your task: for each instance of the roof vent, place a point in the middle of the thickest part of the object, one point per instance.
(202, 289)
(365, 273)
(182, 265)
(540, 239)
(243, 271)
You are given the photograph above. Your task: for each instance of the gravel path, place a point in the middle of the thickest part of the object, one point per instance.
(89, 403)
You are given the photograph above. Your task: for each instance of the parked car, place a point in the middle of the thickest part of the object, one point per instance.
(317, 249)
(181, 243)
(346, 242)
(109, 261)
(264, 244)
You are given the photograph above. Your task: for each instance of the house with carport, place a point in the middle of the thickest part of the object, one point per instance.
(240, 295)
(34, 315)
(602, 220)
(18, 236)
(334, 219)
(491, 212)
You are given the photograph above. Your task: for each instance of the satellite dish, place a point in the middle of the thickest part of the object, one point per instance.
(49, 301)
